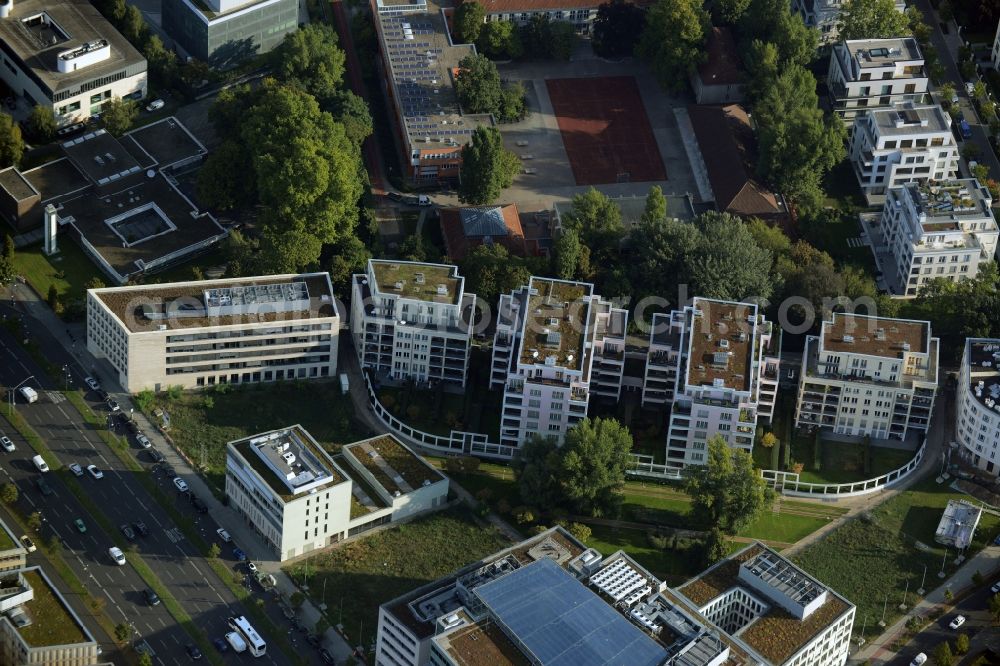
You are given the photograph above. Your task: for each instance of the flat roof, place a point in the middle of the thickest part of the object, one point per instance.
(481, 645)
(784, 577)
(876, 53)
(395, 467)
(958, 523)
(721, 344)
(875, 336)
(77, 22)
(910, 119)
(182, 305)
(311, 468)
(418, 281)
(983, 357)
(51, 621)
(945, 203)
(16, 185)
(561, 622)
(556, 321)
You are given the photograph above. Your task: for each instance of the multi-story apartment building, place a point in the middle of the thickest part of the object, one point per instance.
(824, 15)
(412, 320)
(716, 364)
(63, 54)
(224, 33)
(995, 53)
(299, 498)
(868, 74)
(418, 63)
(207, 332)
(557, 344)
(937, 230)
(977, 403)
(551, 600)
(37, 625)
(581, 13)
(907, 143)
(869, 376)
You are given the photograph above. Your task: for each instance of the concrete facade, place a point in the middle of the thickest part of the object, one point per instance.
(224, 33)
(869, 376)
(869, 74)
(412, 320)
(977, 404)
(203, 333)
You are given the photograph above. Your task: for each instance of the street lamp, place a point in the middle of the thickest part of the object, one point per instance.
(943, 560)
(13, 391)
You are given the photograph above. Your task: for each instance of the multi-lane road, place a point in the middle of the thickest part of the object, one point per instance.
(122, 500)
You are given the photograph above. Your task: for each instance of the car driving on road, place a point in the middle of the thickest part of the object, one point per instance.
(117, 555)
(957, 622)
(7, 445)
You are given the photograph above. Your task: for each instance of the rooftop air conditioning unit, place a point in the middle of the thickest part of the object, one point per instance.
(398, 285)
(849, 339)
(442, 290)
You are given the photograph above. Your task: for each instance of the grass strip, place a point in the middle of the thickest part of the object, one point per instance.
(33, 439)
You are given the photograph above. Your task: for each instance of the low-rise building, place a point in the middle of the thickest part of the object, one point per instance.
(869, 74)
(466, 228)
(937, 230)
(557, 344)
(580, 13)
(412, 320)
(716, 364)
(63, 54)
(824, 15)
(208, 332)
(13, 554)
(38, 626)
(299, 498)
(958, 524)
(977, 404)
(869, 376)
(550, 601)
(719, 78)
(224, 33)
(907, 143)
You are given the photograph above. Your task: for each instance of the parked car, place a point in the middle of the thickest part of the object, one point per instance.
(28, 543)
(252, 567)
(963, 128)
(92, 383)
(7, 445)
(224, 535)
(155, 455)
(996, 588)
(69, 130)
(152, 598)
(76, 469)
(128, 532)
(327, 657)
(919, 660)
(133, 427)
(168, 471)
(220, 644)
(80, 527)
(143, 441)
(101, 394)
(198, 504)
(155, 105)
(970, 87)
(957, 622)
(29, 394)
(94, 472)
(141, 528)
(44, 487)
(239, 554)
(181, 484)
(193, 651)
(113, 405)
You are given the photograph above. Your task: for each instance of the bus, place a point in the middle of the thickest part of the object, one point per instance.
(255, 643)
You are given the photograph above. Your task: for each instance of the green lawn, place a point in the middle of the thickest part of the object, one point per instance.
(842, 188)
(890, 545)
(70, 270)
(843, 462)
(670, 565)
(360, 575)
(203, 423)
(831, 235)
(439, 412)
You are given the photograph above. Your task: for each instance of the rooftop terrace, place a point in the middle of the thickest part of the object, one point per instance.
(310, 468)
(984, 370)
(875, 336)
(721, 344)
(556, 320)
(944, 203)
(434, 283)
(874, 53)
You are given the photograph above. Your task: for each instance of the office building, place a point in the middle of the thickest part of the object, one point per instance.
(869, 74)
(869, 376)
(418, 64)
(298, 498)
(552, 601)
(715, 364)
(224, 33)
(824, 15)
(977, 404)
(208, 332)
(580, 13)
(557, 344)
(412, 320)
(937, 230)
(38, 626)
(907, 143)
(63, 54)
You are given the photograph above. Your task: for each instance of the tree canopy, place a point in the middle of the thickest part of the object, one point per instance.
(118, 115)
(537, 469)
(479, 89)
(617, 28)
(11, 142)
(352, 112)
(500, 39)
(594, 457)
(41, 124)
(726, 491)
(871, 19)
(542, 37)
(311, 57)
(673, 41)
(468, 21)
(490, 271)
(487, 167)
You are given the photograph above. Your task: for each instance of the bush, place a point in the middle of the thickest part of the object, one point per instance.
(977, 579)
(524, 515)
(174, 392)
(537, 529)
(209, 402)
(387, 401)
(961, 644)
(580, 532)
(144, 400)
(658, 541)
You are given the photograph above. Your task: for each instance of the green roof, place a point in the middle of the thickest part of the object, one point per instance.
(52, 623)
(418, 281)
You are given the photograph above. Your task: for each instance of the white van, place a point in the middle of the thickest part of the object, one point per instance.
(40, 463)
(30, 394)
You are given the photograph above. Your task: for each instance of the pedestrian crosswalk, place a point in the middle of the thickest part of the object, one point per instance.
(174, 534)
(855, 242)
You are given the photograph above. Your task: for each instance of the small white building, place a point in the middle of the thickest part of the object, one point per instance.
(869, 376)
(209, 332)
(556, 344)
(412, 320)
(906, 143)
(824, 15)
(958, 524)
(716, 363)
(869, 74)
(938, 230)
(977, 404)
(299, 498)
(65, 55)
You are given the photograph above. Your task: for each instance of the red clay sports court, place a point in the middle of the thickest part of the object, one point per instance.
(605, 130)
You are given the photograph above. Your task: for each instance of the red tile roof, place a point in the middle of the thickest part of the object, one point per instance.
(722, 67)
(459, 241)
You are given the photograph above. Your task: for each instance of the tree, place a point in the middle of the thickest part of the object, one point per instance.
(542, 37)
(322, 626)
(617, 28)
(947, 91)
(871, 19)
(311, 57)
(768, 440)
(221, 185)
(8, 493)
(537, 470)
(562, 39)
(123, 632)
(656, 205)
(52, 298)
(489, 271)
(727, 491)
(297, 599)
(487, 167)
(468, 21)
(567, 254)
(41, 123)
(500, 39)
(11, 142)
(349, 256)
(715, 546)
(730, 11)
(35, 521)
(763, 62)
(658, 251)
(673, 40)
(352, 112)
(994, 606)
(943, 655)
(133, 27)
(161, 61)
(594, 457)
(119, 114)
(145, 659)
(478, 85)
(8, 247)
(727, 263)
(214, 550)
(961, 643)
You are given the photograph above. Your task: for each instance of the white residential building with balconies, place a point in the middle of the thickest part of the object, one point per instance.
(824, 15)
(869, 74)
(557, 344)
(938, 230)
(412, 320)
(977, 404)
(716, 363)
(906, 143)
(869, 376)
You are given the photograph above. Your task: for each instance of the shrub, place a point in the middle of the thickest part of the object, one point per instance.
(977, 578)
(412, 412)
(209, 402)
(798, 467)
(537, 529)
(961, 644)
(580, 531)
(174, 392)
(524, 515)
(144, 400)
(484, 495)
(387, 401)
(658, 541)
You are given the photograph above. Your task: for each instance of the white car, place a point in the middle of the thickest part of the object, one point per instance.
(224, 535)
(995, 589)
(7, 445)
(94, 472)
(76, 469)
(919, 660)
(970, 87)
(155, 105)
(29, 394)
(28, 544)
(92, 383)
(252, 567)
(117, 555)
(143, 441)
(181, 484)
(957, 622)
